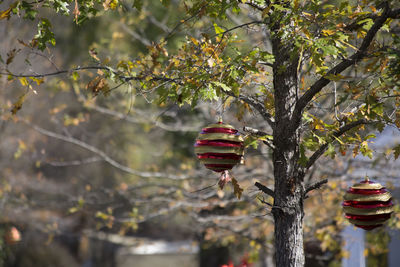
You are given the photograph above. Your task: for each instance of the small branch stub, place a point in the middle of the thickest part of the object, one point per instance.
(314, 186)
(265, 189)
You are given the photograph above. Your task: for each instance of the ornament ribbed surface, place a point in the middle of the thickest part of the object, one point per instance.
(219, 147)
(367, 205)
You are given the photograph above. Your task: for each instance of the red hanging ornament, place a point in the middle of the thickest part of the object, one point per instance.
(219, 147)
(367, 204)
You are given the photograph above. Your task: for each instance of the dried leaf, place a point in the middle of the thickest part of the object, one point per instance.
(97, 85)
(93, 54)
(76, 11)
(18, 104)
(237, 190)
(10, 55)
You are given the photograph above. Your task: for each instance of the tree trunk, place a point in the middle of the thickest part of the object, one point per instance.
(288, 210)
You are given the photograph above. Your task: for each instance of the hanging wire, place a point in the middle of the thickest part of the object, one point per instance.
(221, 109)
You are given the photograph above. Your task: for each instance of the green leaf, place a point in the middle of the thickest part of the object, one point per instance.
(380, 126)
(330, 151)
(250, 140)
(61, 6)
(303, 158)
(365, 150)
(218, 30)
(44, 35)
(165, 2)
(223, 86)
(138, 4)
(396, 150)
(75, 75)
(30, 13)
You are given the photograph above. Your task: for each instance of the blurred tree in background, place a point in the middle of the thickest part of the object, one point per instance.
(101, 103)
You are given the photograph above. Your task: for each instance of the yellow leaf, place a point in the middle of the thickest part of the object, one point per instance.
(333, 185)
(110, 4)
(23, 81)
(38, 81)
(349, 45)
(361, 34)
(296, 4)
(194, 41)
(328, 32)
(5, 14)
(365, 252)
(21, 148)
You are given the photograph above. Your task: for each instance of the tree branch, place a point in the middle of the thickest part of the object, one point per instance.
(238, 26)
(124, 78)
(323, 81)
(183, 21)
(258, 133)
(257, 105)
(265, 189)
(393, 14)
(74, 162)
(254, 131)
(178, 127)
(105, 157)
(146, 42)
(254, 5)
(314, 186)
(338, 133)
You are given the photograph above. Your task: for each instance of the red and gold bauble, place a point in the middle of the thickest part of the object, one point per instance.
(219, 147)
(367, 204)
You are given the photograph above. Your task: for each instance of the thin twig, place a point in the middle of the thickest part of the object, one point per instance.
(105, 157)
(257, 105)
(264, 202)
(259, 133)
(237, 27)
(342, 130)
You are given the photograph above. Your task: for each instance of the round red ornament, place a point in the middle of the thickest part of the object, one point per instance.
(367, 204)
(219, 147)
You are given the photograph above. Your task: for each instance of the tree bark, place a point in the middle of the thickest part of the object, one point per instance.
(287, 210)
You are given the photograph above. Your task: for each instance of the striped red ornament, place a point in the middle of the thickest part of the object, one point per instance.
(219, 147)
(367, 204)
